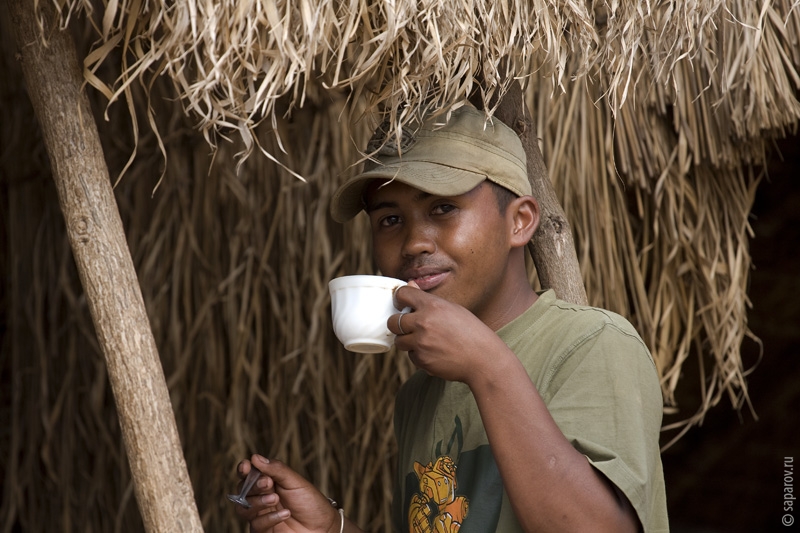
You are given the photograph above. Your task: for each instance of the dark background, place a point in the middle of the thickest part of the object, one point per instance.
(727, 475)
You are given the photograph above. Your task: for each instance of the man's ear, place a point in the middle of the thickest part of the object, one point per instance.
(523, 213)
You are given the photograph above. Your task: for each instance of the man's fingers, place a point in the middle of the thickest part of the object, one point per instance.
(265, 500)
(281, 475)
(264, 520)
(263, 485)
(400, 323)
(244, 468)
(267, 521)
(408, 295)
(261, 462)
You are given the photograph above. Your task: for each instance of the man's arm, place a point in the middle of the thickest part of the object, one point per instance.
(285, 502)
(551, 486)
(537, 463)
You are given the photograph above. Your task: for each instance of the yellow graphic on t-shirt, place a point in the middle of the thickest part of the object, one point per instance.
(436, 507)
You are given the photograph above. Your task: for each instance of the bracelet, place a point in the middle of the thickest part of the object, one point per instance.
(341, 514)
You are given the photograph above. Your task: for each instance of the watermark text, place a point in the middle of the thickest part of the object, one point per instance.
(788, 492)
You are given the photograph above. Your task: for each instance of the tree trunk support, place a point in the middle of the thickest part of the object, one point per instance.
(54, 78)
(552, 246)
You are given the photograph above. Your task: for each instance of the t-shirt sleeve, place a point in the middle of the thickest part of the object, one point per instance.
(605, 397)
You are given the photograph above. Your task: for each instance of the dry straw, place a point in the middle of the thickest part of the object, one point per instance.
(653, 118)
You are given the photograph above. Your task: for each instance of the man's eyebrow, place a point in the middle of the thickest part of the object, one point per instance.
(389, 204)
(370, 207)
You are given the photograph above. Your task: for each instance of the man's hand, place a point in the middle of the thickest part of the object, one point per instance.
(282, 501)
(443, 338)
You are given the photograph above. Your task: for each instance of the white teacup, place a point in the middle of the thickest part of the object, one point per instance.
(361, 305)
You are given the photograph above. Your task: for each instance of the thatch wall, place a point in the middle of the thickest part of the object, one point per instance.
(234, 270)
(234, 254)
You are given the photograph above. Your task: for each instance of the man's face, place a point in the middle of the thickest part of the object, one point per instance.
(456, 247)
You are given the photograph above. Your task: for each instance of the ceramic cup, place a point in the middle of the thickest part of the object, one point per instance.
(361, 306)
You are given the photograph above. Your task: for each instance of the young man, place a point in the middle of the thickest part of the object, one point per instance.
(527, 413)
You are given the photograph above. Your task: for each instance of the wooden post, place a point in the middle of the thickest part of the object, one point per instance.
(552, 246)
(53, 78)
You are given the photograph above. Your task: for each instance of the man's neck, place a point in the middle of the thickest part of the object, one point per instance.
(519, 300)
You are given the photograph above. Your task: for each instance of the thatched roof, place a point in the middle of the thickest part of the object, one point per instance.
(672, 99)
(653, 118)
(232, 63)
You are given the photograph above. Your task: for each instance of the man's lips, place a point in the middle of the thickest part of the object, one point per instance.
(428, 281)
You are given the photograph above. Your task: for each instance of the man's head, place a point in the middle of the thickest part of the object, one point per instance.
(443, 159)
(453, 213)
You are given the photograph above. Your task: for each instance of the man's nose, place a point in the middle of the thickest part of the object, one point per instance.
(420, 239)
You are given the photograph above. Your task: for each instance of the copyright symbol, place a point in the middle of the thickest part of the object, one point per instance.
(787, 520)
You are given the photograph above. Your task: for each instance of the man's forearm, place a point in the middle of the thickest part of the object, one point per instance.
(552, 487)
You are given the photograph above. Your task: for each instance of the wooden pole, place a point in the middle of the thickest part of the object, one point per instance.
(552, 246)
(53, 78)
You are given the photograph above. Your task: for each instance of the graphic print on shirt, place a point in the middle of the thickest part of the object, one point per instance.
(435, 506)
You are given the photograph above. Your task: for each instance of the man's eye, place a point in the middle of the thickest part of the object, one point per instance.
(443, 208)
(390, 220)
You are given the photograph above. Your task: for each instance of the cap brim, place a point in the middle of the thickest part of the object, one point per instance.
(432, 178)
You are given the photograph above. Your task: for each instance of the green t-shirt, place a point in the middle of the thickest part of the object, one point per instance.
(600, 385)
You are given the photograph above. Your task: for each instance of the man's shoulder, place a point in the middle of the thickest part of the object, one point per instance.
(558, 331)
(560, 315)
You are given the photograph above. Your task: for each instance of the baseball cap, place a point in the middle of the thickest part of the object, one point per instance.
(444, 159)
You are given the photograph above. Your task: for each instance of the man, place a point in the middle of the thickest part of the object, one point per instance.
(527, 413)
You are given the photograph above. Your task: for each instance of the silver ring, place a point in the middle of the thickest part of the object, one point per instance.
(399, 325)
